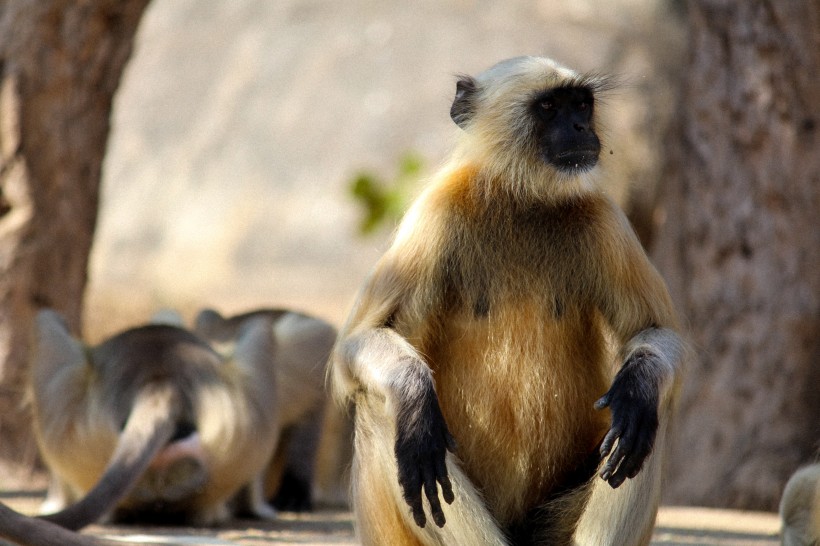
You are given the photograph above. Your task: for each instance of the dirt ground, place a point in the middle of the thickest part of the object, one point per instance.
(676, 526)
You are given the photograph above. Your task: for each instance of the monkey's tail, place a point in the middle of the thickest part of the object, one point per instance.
(149, 428)
(23, 530)
(31, 532)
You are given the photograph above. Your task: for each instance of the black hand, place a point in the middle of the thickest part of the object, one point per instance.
(633, 401)
(422, 442)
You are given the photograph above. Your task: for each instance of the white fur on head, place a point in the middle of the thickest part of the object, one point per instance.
(498, 135)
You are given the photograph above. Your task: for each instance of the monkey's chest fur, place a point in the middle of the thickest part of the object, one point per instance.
(519, 358)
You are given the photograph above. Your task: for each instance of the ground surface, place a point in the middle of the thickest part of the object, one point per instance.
(675, 527)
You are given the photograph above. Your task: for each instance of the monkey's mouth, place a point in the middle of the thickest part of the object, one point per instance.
(578, 160)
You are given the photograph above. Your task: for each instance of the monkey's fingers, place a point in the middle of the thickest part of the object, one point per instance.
(410, 481)
(609, 440)
(610, 467)
(631, 465)
(635, 443)
(642, 443)
(444, 480)
(416, 506)
(418, 515)
(613, 471)
(603, 401)
(431, 490)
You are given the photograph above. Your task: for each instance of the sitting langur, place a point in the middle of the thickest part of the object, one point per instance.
(153, 423)
(303, 345)
(800, 508)
(514, 341)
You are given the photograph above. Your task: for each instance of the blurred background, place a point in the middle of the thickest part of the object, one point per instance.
(239, 127)
(251, 140)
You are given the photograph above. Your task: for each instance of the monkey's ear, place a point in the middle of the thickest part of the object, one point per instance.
(463, 106)
(208, 323)
(255, 345)
(55, 350)
(170, 317)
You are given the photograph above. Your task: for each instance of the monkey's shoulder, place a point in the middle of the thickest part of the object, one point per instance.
(587, 225)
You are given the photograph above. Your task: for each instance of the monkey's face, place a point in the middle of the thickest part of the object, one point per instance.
(529, 115)
(563, 128)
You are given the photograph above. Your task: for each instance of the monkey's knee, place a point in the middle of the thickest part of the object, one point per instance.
(800, 508)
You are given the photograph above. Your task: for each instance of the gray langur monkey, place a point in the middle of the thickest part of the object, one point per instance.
(264, 369)
(800, 508)
(306, 420)
(151, 425)
(514, 356)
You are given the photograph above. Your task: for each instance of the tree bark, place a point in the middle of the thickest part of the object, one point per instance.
(741, 249)
(60, 64)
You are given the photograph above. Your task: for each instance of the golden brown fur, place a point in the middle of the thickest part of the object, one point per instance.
(517, 290)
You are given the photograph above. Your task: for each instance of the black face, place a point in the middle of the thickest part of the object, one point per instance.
(564, 128)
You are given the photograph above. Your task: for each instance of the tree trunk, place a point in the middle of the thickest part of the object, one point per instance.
(741, 249)
(60, 63)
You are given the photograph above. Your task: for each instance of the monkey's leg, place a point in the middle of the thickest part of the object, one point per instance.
(250, 501)
(294, 493)
(335, 453)
(553, 523)
(58, 496)
(625, 516)
(623, 505)
(383, 516)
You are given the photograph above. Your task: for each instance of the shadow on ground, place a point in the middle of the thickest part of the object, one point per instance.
(676, 526)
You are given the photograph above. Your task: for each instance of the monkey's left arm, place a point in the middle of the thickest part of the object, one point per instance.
(639, 309)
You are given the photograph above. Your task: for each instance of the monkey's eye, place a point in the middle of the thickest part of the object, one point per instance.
(547, 104)
(583, 106)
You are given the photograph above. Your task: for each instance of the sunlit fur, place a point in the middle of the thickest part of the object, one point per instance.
(521, 290)
(306, 423)
(82, 396)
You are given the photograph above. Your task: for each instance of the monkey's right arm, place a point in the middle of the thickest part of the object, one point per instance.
(379, 360)
(372, 358)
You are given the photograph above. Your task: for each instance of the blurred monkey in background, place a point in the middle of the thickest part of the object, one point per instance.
(153, 423)
(307, 422)
(800, 508)
(159, 425)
